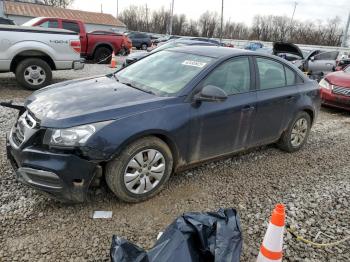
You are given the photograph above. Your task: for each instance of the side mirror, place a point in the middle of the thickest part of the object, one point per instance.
(211, 93)
(312, 58)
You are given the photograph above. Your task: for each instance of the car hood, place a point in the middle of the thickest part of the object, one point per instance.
(89, 100)
(339, 78)
(289, 48)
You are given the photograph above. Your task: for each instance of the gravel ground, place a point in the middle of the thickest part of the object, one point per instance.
(314, 183)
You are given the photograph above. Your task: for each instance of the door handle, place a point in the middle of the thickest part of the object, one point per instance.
(248, 108)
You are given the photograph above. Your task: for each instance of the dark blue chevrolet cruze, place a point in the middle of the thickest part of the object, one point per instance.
(166, 112)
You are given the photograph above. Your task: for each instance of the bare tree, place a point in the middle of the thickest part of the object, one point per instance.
(179, 23)
(264, 28)
(208, 23)
(58, 3)
(160, 21)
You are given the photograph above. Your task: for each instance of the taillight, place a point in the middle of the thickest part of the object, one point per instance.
(76, 45)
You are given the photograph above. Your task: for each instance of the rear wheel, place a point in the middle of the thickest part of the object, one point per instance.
(297, 133)
(141, 170)
(33, 73)
(103, 55)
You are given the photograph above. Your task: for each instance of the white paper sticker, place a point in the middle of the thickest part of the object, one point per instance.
(193, 63)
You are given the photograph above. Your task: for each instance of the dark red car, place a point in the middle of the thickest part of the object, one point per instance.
(335, 89)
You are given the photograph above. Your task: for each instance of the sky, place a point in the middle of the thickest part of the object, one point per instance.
(234, 10)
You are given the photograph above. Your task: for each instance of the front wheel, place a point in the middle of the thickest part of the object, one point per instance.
(141, 170)
(297, 133)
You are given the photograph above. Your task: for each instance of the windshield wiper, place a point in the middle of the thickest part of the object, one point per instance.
(138, 88)
(115, 77)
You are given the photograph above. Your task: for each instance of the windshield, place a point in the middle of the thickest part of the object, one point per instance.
(163, 73)
(347, 69)
(31, 22)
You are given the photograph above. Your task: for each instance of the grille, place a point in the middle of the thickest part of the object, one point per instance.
(339, 90)
(25, 127)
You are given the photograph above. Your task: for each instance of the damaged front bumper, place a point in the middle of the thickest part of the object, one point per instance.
(66, 177)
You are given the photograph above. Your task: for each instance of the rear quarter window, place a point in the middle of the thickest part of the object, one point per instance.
(290, 76)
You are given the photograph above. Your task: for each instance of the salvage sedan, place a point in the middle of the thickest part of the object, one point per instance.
(167, 112)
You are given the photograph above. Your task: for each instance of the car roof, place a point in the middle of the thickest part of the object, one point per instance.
(190, 42)
(210, 51)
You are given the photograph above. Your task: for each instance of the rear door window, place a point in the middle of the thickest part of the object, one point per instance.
(140, 36)
(332, 55)
(49, 24)
(72, 26)
(271, 73)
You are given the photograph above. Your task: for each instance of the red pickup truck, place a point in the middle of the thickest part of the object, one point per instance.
(96, 45)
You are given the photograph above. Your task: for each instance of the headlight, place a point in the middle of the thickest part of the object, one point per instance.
(325, 84)
(72, 137)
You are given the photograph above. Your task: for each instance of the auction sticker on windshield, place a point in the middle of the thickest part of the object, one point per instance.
(194, 63)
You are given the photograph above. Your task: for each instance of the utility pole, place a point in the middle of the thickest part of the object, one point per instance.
(147, 29)
(222, 20)
(346, 32)
(291, 20)
(171, 18)
(295, 7)
(117, 8)
(101, 9)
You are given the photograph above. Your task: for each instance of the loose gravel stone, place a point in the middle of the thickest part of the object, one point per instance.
(314, 183)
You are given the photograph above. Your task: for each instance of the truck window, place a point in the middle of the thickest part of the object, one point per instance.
(49, 24)
(72, 26)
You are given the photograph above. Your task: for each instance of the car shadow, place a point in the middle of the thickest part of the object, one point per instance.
(334, 110)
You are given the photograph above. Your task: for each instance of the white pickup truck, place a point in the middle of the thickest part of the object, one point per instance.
(32, 53)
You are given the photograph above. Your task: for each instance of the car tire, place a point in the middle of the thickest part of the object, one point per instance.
(102, 55)
(297, 133)
(33, 73)
(125, 174)
(144, 46)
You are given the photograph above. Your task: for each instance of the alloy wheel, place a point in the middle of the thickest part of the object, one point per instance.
(299, 132)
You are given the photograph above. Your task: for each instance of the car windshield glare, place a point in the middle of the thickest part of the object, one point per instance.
(164, 73)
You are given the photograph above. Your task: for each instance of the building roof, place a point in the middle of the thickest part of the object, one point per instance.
(39, 10)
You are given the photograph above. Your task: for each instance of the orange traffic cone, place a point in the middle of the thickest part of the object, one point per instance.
(113, 61)
(271, 248)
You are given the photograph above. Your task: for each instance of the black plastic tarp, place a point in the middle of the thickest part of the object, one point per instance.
(192, 237)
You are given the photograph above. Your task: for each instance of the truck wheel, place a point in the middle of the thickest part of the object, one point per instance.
(144, 46)
(141, 170)
(33, 73)
(297, 133)
(103, 55)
